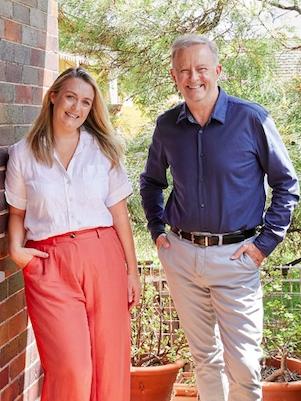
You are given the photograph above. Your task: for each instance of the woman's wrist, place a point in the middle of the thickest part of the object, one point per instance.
(13, 249)
(132, 270)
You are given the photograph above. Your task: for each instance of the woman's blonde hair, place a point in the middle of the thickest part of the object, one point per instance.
(41, 139)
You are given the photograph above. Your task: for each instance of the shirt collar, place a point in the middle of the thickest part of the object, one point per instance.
(85, 138)
(219, 111)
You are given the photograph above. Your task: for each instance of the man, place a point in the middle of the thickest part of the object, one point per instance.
(219, 149)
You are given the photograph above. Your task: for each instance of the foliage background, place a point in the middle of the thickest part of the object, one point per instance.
(130, 40)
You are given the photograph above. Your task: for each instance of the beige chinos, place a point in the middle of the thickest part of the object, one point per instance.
(219, 302)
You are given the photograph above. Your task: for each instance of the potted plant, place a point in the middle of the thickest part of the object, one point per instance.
(158, 344)
(185, 387)
(281, 372)
(281, 365)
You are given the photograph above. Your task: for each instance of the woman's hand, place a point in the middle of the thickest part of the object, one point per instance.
(22, 256)
(134, 289)
(16, 233)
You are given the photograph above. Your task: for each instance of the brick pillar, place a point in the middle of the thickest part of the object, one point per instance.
(28, 64)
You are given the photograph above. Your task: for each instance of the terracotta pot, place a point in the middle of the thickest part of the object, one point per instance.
(154, 383)
(182, 389)
(283, 391)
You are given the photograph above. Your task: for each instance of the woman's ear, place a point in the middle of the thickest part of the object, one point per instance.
(52, 97)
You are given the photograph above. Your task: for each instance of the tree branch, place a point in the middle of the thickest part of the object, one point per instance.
(277, 4)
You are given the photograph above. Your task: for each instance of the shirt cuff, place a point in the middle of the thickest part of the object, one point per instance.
(123, 192)
(155, 233)
(15, 201)
(266, 242)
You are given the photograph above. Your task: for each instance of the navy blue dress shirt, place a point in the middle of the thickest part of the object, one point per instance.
(218, 173)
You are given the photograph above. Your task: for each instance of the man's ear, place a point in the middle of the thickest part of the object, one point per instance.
(172, 74)
(218, 70)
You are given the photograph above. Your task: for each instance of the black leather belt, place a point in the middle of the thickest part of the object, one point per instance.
(210, 240)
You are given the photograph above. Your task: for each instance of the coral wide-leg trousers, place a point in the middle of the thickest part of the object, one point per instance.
(77, 303)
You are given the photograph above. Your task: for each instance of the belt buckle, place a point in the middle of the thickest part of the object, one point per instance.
(72, 235)
(206, 241)
(192, 238)
(180, 233)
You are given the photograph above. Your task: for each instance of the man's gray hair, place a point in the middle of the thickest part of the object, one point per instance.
(188, 40)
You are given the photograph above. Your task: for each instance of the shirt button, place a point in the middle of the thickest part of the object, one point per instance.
(202, 205)
(201, 154)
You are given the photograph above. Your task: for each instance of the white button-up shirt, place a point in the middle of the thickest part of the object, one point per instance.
(57, 200)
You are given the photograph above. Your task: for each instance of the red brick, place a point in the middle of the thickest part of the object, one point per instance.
(3, 242)
(3, 378)
(17, 324)
(42, 73)
(7, 93)
(23, 94)
(13, 348)
(12, 305)
(37, 58)
(41, 40)
(3, 290)
(12, 31)
(15, 282)
(13, 390)
(13, 72)
(3, 156)
(3, 224)
(17, 365)
(2, 70)
(37, 96)
(3, 250)
(21, 13)
(23, 361)
(3, 203)
(4, 337)
(2, 179)
(8, 266)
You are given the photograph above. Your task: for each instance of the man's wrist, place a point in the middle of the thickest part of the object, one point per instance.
(157, 235)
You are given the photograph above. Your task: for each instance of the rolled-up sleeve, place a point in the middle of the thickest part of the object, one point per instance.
(15, 190)
(119, 185)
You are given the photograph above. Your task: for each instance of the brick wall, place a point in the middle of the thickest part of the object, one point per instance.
(28, 64)
(289, 64)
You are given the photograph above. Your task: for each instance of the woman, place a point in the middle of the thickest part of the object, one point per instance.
(67, 194)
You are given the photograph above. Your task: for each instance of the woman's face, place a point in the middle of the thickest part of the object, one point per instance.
(71, 105)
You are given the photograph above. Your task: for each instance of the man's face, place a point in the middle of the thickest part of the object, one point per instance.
(195, 73)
